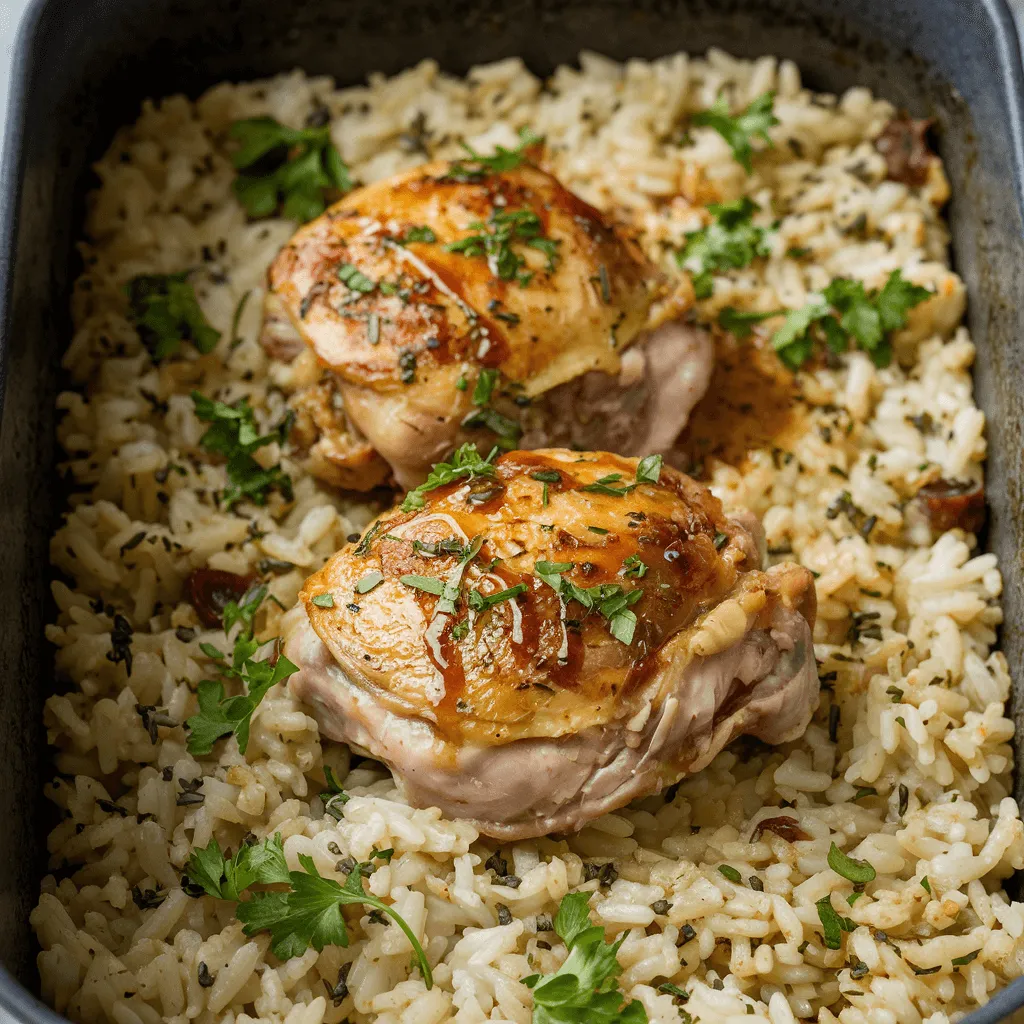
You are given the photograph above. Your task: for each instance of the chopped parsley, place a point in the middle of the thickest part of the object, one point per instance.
(741, 322)
(233, 434)
(856, 871)
(307, 913)
(475, 167)
(418, 233)
(494, 239)
(291, 170)
(165, 312)
(479, 602)
(466, 463)
(219, 715)
(730, 242)
(369, 582)
(739, 131)
(484, 416)
(731, 873)
(325, 600)
(847, 313)
(634, 568)
(355, 279)
(648, 469)
(831, 923)
(607, 599)
(447, 590)
(584, 988)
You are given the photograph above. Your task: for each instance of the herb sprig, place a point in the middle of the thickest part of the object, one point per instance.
(466, 463)
(584, 988)
(220, 716)
(307, 914)
(485, 416)
(739, 131)
(165, 312)
(494, 239)
(730, 242)
(233, 434)
(294, 170)
(846, 313)
(475, 167)
(610, 600)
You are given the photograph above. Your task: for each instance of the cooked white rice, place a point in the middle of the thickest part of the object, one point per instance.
(921, 710)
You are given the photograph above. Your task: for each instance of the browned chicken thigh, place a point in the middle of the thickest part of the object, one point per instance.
(458, 302)
(536, 641)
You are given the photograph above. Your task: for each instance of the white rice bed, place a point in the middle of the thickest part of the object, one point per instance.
(613, 134)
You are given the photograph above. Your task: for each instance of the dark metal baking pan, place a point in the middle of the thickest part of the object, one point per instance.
(82, 68)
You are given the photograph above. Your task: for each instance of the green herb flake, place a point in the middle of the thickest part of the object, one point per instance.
(720, 540)
(857, 871)
(291, 171)
(369, 582)
(165, 312)
(351, 276)
(493, 242)
(730, 872)
(967, 958)
(831, 923)
(325, 600)
(475, 167)
(633, 567)
(926, 885)
(418, 233)
(648, 469)
(233, 434)
(739, 131)
(584, 988)
(480, 602)
(730, 242)
(740, 323)
(466, 464)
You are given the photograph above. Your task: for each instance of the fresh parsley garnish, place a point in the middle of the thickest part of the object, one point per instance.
(507, 430)
(447, 589)
(466, 463)
(857, 871)
(294, 170)
(730, 242)
(739, 131)
(324, 600)
(355, 279)
(475, 167)
(494, 239)
(307, 914)
(233, 434)
(584, 987)
(418, 233)
(610, 600)
(479, 602)
(219, 715)
(648, 469)
(847, 313)
(634, 568)
(741, 322)
(165, 312)
(832, 924)
(369, 582)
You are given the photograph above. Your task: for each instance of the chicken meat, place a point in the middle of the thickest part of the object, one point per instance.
(532, 642)
(458, 302)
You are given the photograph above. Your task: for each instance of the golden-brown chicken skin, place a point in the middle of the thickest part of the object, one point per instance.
(410, 289)
(537, 612)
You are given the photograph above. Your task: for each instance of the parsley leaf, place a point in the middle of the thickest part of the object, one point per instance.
(610, 600)
(648, 469)
(584, 987)
(479, 602)
(476, 167)
(731, 241)
(507, 430)
(165, 312)
(494, 239)
(293, 170)
(227, 877)
(857, 871)
(740, 323)
(218, 715)
(466, 463)
(738, 131)
(310, 914)
(848, 312)
(233, 434)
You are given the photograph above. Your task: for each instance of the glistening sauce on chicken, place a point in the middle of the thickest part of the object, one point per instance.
(538, 589)
(752, 402)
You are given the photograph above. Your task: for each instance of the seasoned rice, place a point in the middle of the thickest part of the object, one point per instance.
(906, 764)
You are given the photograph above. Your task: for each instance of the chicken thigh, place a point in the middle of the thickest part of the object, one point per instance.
(534, 641)
(462, 302)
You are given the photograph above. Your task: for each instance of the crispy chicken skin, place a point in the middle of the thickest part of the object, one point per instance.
(534, 713)
(407, 326)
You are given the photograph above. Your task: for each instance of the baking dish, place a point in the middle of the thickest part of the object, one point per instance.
(81, 71)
